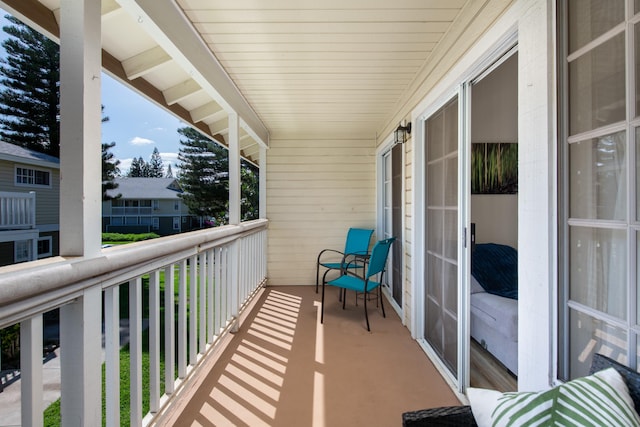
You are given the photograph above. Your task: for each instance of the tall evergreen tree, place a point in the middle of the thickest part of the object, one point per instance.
(169, 172)
(110, 171)
(249, 191)
(204, 175)
(156, 167)
(138, 168)
(30, 96)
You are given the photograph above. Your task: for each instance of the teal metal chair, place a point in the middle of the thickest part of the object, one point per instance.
(351, 281)
(356, 249)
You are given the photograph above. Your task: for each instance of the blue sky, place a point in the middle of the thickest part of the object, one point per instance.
(137, 126)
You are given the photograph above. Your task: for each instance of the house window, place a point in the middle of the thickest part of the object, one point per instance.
(33, 177)
(176, 223)
(44, 247)
(156, 204)
(156, 223)
(176, 205)
(599, 226)
(22, 251)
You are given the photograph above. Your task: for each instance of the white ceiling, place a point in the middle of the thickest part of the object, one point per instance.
(301, 67)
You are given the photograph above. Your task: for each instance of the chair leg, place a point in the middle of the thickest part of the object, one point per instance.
(322, 305)
(366, 315)
(317, 275)
(381, 302)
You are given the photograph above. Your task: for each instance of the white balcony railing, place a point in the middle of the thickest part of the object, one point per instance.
(17, 210)
(213, 273)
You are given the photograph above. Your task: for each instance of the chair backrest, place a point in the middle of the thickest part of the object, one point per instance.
(379, 253)
(358, 241)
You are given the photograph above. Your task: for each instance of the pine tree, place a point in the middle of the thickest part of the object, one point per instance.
(138, 168)
(204, 175)
(156, 167)
(249, 191)
(169, 172)
(110, 171)
(30, 97)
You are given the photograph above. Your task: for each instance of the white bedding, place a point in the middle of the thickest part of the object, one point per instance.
(494, 324)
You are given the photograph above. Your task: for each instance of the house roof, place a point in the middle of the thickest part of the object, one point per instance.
(16, 153)
(146, 188)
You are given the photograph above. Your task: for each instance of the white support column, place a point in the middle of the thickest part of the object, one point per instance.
(234, 169)
(202, 315)
(112, 354)
(262, 179)
(31, 371)
(80, 121)
(80, 360)
(193, 309)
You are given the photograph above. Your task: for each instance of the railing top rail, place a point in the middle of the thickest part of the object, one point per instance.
(59, 279)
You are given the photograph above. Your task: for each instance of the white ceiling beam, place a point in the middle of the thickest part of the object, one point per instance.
(181, 91)
(166, 23)
(201, 113)
(145, 62)
(220, 127)
(108, 7)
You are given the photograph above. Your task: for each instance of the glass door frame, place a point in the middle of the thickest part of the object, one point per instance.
(461, 89)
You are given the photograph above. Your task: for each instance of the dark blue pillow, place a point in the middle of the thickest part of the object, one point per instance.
(495, 267)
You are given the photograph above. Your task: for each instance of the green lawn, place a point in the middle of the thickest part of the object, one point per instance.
(52, 413)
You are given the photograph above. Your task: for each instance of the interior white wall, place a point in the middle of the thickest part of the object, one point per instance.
(496, 218)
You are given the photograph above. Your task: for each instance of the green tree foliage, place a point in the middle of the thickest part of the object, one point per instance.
(110, 171)
(30, 96)
(138, 168)
(249, 187)
(156, 168)
(169, 172)
(204, 175)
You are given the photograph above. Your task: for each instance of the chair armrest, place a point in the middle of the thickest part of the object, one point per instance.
(329, 250)
(443, 416)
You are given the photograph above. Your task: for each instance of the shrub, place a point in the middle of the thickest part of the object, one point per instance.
(120, 237)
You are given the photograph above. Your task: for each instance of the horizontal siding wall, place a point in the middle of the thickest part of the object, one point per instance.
(316, 190)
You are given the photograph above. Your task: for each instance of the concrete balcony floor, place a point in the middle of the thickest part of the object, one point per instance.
(283, 368)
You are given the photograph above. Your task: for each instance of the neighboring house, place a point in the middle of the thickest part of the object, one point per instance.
(147, 205)
(29, 204)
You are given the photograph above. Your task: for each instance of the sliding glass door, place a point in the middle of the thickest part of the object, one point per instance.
(441, 236)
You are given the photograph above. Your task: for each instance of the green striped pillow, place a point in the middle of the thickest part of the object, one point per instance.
(601, 399)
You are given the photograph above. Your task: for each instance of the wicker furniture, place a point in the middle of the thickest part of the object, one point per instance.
(462, 415)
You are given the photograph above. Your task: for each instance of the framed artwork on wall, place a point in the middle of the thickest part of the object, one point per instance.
(494, 168)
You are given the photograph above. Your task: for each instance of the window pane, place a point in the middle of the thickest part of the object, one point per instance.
(435, 185)
(435, 139)
(597, 87)
(598, 269)
(451, 127)
(589, 19)
(451, 183)
(435, 225)
(636, 29)
(589, 336)
(450, 230)
(597, 182)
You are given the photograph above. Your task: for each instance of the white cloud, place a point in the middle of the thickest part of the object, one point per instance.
(141, 141)
(125, 165)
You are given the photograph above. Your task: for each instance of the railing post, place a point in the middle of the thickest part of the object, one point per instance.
(31, 371)
(234, 284)
(154, 341)
(169, 328)
(182, 320)
(112, 355)
(135, 350)
(80, 356)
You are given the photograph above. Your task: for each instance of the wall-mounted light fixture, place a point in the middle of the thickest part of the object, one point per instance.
(402, 132)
